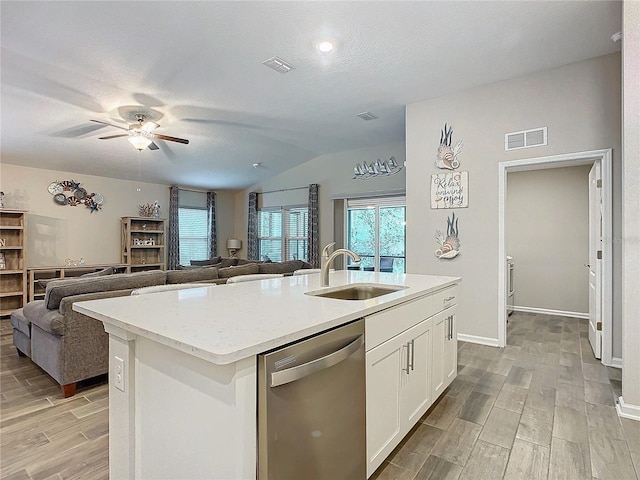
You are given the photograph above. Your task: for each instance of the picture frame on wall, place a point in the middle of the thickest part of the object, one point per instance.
(450, 190)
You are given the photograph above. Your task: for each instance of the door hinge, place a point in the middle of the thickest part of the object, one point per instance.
(599, 183)
(599, 326)
(599, 255)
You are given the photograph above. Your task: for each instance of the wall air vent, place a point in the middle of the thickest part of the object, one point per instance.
(525, 139)
(278, 64)
(367, 116)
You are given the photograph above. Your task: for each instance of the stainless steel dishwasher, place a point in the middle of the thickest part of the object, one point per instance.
(311, 408)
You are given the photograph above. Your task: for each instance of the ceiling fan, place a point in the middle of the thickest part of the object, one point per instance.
(140, 134)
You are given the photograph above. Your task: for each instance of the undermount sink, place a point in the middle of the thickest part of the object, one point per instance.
(356, 291)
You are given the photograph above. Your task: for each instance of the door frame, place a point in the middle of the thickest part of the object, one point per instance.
(557, 161)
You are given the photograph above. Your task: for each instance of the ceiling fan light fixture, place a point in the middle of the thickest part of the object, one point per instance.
(139, 141)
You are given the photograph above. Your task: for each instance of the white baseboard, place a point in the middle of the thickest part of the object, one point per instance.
(627, 410)
(491, 342)
(548, 311)
(616, 362)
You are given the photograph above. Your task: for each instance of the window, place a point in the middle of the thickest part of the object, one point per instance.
(192, 226)
(282, 233)
(376, 229)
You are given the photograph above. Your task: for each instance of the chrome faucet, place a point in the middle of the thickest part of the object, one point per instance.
(328, 259)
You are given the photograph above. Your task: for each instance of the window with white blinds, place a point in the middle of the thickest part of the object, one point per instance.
(282, 233)
(192, 227)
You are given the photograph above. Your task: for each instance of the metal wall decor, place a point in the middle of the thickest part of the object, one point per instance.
(449, 243)
(362, 171)
(149, 209)
(447, 156)
(69, 192)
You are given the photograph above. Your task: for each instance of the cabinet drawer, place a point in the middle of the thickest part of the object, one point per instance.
(384, 325)
(445, 298)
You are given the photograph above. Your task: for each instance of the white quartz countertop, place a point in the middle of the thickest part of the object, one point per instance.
(226, 323)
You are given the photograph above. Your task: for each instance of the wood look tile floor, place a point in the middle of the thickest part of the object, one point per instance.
(541, 408)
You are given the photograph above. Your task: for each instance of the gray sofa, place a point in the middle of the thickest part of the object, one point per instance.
(72, 347)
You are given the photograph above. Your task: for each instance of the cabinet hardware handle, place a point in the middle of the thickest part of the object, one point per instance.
(448, 299)
(408, 353)
(413, 349)
(451, 328)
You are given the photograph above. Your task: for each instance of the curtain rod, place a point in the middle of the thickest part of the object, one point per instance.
(283, 190)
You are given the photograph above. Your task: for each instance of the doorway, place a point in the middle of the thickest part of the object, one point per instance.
(599, 157)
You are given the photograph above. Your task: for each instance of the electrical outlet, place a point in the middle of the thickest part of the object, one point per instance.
(118, 373)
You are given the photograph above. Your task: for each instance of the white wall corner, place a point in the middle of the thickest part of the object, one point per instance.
(627, 410)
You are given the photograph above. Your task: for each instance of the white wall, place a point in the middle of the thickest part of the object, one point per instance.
(631, 208)
(580, 105)
(547, 233)
(56, 232)
(334, 175)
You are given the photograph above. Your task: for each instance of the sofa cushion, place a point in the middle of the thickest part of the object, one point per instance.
(100, 273)
(50, 321)
(58, 289)
(227, 262)
(20, 322)
(210, 261)
(289, 266)
(195, 274)
(247, 269)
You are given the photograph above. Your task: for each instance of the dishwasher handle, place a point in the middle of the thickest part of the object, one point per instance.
(296, 373)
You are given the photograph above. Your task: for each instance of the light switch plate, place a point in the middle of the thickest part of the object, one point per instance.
(118, 373)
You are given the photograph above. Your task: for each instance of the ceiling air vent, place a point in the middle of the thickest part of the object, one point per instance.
(525, 139)
(278, 64)
(367, 116)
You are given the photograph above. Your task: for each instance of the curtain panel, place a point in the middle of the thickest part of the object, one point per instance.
(173, 243)
(252, 227)
(212, 227)
(313, 227)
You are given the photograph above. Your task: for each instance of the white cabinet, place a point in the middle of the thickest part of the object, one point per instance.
(411, 359)
(397, 390)
(444, 360)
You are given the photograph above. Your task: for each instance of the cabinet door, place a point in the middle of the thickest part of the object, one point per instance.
(451, 348)
(440, 332)
(415, 378)
(384, 368)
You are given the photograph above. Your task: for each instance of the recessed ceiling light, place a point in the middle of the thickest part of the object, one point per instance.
(325, 46)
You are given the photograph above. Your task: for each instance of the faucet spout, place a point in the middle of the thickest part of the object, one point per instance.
(328, 259)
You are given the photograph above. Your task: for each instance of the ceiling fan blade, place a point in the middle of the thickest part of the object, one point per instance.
(153, 146)
(114, 136)
(110, 124)
(171, 139)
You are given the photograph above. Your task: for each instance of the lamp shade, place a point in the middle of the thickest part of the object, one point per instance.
(139, 141)
(234, 243)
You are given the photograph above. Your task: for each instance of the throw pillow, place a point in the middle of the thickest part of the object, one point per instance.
(191, 275)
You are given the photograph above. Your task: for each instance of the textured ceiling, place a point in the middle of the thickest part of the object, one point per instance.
(199, 64)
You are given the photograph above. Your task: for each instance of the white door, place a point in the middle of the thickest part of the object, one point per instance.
(595, 260)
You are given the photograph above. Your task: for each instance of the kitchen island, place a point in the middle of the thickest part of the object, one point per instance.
(182, 375)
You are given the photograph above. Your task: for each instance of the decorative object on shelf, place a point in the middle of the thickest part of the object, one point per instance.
(1, 199)
(378, 169)
(3, 264)
(3, 242)
(144, 243)
(233, 245)
(76, 195)
(68, 262)
(150, 210)
(450, 190)
(449, 243)
(447, 157)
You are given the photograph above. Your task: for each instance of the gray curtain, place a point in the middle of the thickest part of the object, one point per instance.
(212, 225)
(252, 227)
(313, 227)
(173, 243)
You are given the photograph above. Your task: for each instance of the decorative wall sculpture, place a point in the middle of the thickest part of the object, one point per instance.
(447, 157)
(76, 195)
(449, 243)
